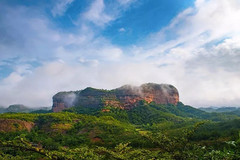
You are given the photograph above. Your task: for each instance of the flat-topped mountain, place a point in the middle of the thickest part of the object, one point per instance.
(125, 97)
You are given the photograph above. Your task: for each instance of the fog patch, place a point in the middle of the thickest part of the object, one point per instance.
(136, 90)
(69, 99)
(167, 89)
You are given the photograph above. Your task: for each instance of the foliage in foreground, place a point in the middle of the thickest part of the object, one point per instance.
(20, 148)
(142, 133)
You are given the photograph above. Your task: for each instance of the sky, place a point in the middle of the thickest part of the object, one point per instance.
(49, 46)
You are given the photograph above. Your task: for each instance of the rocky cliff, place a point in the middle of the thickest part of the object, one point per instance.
(125, 97)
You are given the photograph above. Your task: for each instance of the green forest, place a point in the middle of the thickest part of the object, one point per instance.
(148, 131)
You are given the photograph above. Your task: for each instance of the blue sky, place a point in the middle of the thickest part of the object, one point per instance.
(147, 17)
(54, 45)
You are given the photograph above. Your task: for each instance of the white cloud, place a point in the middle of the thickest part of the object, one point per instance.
(122, 30)
(208, 21)
(205, 50)
(200, 57)
(126, 2)
(89, 62)
(53, 50)
(25, 34)
(60, 8)
(96, 13)
(12, 79)
(101, 13)
(53, 77)
(44, 42)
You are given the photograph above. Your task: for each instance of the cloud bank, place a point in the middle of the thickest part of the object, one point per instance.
(198, 52)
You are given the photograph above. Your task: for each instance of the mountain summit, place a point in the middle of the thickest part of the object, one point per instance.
(125, 97)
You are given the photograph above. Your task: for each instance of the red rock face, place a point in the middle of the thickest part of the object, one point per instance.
(160, 94)
(126, 97)
(129, 102)
(113, 103)
(58, 107)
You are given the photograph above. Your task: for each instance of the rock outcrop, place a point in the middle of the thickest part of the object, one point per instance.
(125, 97)
(13, 125)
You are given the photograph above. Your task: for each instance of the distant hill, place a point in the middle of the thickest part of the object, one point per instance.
(20, 108)
(219, 109)
(2, 109)
(17, 108)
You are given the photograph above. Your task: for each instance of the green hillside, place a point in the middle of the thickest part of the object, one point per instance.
(149, 131)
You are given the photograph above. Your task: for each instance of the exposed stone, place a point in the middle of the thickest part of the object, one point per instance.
(59, 106)
(12, 125)
(125, 97)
